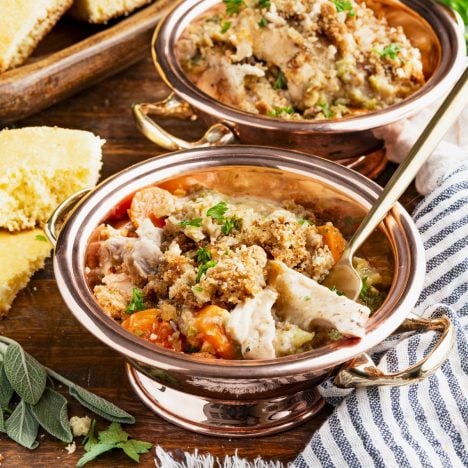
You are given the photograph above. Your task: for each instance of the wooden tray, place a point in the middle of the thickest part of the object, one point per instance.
(73, 56)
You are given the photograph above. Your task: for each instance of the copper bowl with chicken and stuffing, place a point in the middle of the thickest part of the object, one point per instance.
(322, 76)
(204, 269)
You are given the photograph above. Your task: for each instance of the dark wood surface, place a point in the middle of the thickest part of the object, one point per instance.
(73, 56)
(40, 321)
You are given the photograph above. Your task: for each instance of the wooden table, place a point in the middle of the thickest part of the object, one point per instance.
(40, 321)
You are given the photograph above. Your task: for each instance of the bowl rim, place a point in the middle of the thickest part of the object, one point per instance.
(76, 231)
(445, 23)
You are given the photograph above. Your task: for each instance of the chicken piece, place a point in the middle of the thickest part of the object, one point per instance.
(252, 325)
(114, 294)
(304, 302)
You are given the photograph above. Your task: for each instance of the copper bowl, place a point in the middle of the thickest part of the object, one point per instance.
(245, 398)
(431, 27)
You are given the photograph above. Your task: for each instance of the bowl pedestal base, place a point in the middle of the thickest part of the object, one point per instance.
(225, 418)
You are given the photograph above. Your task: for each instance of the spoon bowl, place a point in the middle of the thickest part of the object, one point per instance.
(343, 276)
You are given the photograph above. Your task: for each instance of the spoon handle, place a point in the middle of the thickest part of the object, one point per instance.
(435, 130)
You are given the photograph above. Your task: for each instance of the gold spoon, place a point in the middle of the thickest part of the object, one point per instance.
(343, 276)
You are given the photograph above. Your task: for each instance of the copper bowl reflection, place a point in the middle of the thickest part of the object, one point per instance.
(238, 398)
(431, 27)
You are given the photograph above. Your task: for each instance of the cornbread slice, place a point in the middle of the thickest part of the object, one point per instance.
(21, 254)
(23, 23)
(39, 168)
(101, 11)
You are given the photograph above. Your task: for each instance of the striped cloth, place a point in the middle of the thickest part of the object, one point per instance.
(425, 424)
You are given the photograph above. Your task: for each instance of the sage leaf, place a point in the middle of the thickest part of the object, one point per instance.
(2, 421)
(6, 390)
(51, 413)
(100, 406)
(94, 453)
(113, 434)
(25, 374)
(22, 426)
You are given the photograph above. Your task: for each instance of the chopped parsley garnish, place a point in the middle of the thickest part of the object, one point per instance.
(136, 303)
(307, 298)
(197, 222)
(233, 6)
(344, 5)
(371, 297)
(264, 3)
(327, 113)
(228, 226)
(338, 292)
(303, 222)
(203, 255)
(225, 25)
(280, 81)
(198, 288)
(263, 22)
(390, 51)
(40, 237)
(218, 211)
(202, 269)
(277, 111)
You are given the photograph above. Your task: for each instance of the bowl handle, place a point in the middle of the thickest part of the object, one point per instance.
(58, 216)
(217, 135)
(362, 372)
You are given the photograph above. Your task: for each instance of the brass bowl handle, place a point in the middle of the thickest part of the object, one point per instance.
(217, 135)
(362, 372)
(58, 216)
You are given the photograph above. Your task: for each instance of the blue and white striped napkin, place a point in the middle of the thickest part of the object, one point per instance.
(426, 424)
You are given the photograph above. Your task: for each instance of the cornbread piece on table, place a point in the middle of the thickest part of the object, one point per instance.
(39, 168)
(21, 254)
(101, 11)
(23, 23)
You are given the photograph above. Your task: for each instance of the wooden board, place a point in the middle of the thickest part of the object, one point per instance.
(76, 55)
(40, 321)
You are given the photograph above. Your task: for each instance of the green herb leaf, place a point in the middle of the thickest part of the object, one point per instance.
(228, 226)
(344, 5)
(95, 451)
(113, 434)
(136, 303)
(390, 51)
(334, 335)
(202, 269)
(280, 81)
(327, 113)
(364, 288)
(25, 374)
(197, 222)
(263, 23)
(203, 255)
(233, 6)
(100, 406)
(51, 413)
(217, 211)
(90, 440)
(264, 3)
(225, 25)
(133, 448)
(22, 427)
(277, 111)
(303, 222)
(6, 390)
(338, 292)
(41, 238)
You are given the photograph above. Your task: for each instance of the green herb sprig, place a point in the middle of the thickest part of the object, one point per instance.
(197, 222)
(39, 404)
(390, 51)
(280, 81)
(277, 111)
(225, 25)
(233, 6)
(114, 437)
(202, 269)
(136, 302)
(344, 5)
(228, 224)
(264, 3)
